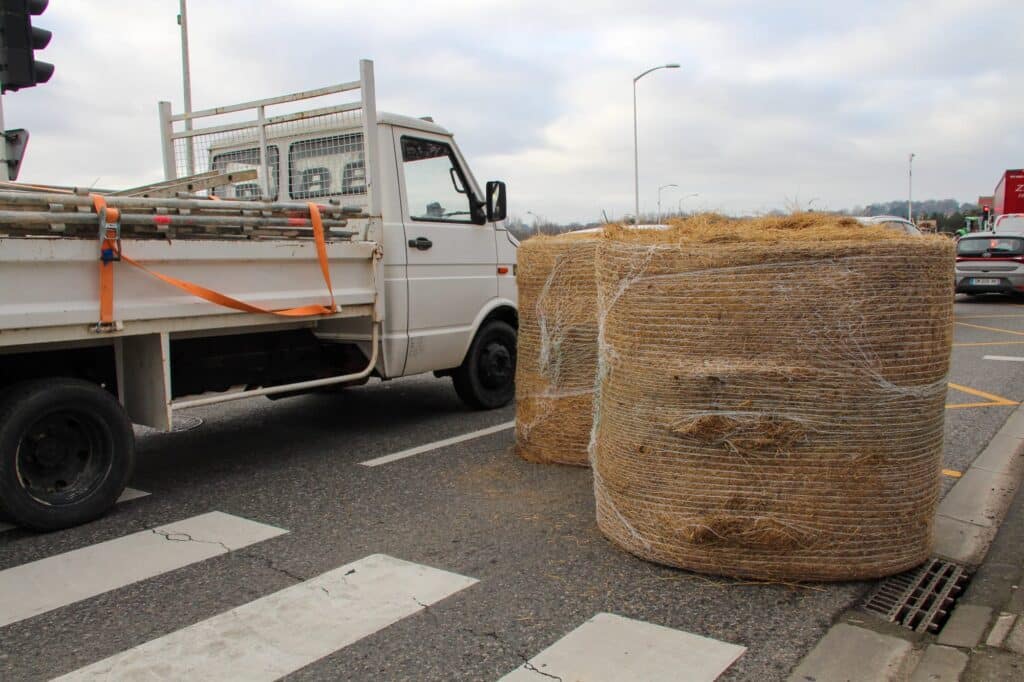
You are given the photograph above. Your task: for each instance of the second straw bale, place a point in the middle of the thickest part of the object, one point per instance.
(557, 354)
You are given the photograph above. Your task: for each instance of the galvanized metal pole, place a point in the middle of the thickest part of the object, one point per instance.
(3, 144)
(636, 153)
(659, 198)
(186, 79)
(910, 189)
(636, 160)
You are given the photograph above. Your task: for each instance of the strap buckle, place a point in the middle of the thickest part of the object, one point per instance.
(110, 233)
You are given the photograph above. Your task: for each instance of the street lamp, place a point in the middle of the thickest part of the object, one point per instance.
(809, 204)
(685, 197)
(536, 221)
(636, 154)
(910, 188)
(659, 198)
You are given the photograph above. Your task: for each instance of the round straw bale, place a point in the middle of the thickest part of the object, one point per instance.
(771, 397)
(557, 356)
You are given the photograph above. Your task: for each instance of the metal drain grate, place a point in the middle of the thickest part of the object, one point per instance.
(184, 423)
(921, 599)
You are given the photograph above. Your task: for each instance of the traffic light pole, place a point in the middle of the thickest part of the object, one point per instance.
(3, 147)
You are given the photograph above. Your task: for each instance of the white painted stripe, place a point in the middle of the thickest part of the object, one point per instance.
(278, 634)
(1004, 358)
(128, 494)
(436, 445)
(31, 589)
(617, 649)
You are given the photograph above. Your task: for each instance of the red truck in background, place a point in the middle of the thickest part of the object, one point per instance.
(1009, 194)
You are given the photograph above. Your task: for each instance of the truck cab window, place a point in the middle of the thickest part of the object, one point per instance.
(434, 184)
(245, 159)
(327, 167)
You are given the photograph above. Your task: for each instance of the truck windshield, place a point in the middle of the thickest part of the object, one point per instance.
(991, 246)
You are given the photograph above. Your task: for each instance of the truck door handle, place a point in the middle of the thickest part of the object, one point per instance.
(421, 243)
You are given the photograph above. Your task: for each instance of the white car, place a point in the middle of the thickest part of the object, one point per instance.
(892, 222)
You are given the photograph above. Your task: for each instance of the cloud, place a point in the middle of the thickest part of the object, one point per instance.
(774, 101)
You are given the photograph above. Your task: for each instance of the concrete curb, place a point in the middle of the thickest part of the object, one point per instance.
(966, 524)
(970, 514)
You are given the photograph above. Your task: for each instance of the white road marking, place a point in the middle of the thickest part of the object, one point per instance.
(34, 588)
(1004, 358)
(278, 634)
(436, 445)
(617, 649)
(128, 494)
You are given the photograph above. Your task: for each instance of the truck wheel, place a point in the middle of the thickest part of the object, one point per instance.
(67, 451)
(486, 378)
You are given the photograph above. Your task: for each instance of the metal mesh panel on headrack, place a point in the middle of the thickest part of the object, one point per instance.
(310, 154)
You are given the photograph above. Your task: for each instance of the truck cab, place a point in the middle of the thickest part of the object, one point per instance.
(448, 265)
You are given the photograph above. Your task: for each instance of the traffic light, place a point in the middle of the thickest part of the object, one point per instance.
(18, 42)
(986, 213)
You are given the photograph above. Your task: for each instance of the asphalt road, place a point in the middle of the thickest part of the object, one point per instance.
(524, 531)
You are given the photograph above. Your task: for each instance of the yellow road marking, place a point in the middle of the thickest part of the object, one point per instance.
(993, 400)
(952, 473)
(987, 343)
(990, 329)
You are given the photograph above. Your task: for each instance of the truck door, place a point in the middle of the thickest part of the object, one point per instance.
(451, 263)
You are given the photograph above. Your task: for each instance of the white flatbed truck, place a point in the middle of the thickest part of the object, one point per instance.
(118, 311)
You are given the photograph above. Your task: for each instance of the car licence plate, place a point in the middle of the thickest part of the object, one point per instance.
(981, 281)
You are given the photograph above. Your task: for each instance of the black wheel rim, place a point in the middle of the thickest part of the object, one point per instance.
(63, 457)
(495, 369)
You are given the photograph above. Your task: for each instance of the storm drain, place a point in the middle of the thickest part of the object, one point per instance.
(921, 599)
(185, 423)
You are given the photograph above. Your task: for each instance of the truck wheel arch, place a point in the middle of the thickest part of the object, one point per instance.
(497, 309)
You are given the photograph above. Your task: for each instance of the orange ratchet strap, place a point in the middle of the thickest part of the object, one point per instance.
(107, 276)
(110, 248)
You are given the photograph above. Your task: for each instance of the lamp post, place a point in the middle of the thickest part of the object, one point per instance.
(684, 198)
(636, 153)
(186, 81)
(536, 221)
(810, 209)
(659, 198)
(910, 188)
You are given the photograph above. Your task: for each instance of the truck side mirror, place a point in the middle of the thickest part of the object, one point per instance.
(497, 202)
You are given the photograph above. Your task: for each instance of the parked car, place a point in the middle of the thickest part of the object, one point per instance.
(892, 222)
(990, 263)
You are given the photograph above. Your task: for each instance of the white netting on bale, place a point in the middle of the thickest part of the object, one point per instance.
(772, 396)
(556, 361)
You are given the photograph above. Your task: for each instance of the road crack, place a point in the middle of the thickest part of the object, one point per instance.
(185, 537)
(527, 665)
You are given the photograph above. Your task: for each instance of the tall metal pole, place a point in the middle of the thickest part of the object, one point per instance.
(659, 199)
(4, 168)
(910, 188)
(636, 160)
(186, 79)
(636, 153)
(680, 206)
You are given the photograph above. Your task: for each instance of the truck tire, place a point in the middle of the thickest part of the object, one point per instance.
(67, 451)
(486, 378)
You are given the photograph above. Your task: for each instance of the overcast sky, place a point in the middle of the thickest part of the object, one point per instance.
(777, 103)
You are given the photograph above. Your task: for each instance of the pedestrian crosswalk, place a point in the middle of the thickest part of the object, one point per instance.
(610, 648)
(40, 586)
(280, 633)
(285, 631)
(128, 495)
